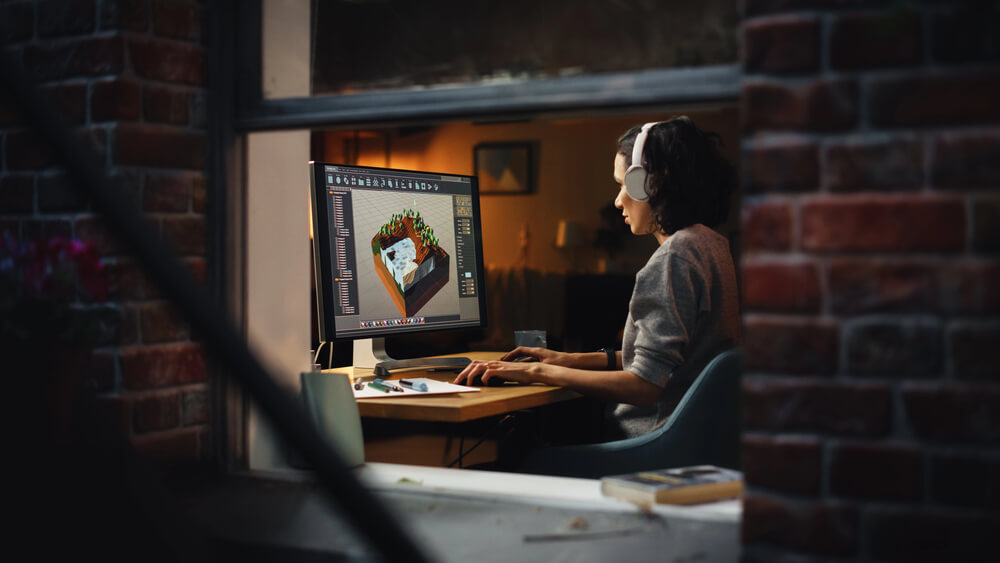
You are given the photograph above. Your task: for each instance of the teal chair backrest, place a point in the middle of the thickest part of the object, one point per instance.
(703, 429)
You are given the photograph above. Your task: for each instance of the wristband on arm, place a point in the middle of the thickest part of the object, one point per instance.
(612, 358)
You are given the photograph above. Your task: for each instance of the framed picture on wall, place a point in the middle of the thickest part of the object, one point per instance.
(505, 168)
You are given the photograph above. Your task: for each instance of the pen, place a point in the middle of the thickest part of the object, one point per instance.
(415, 385)
(388, 385)
(379, 386)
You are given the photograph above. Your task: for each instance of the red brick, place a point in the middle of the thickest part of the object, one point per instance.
(899, 476)
(821, 528)
(791, 405)
(166, 365)
(986, 225)
(781, 44)
(65, 17)
(890, 38)
(96, 139)
(70, 100)
(36, 229)
(791, 167)
(199, 202)
(862, 164)
(169, 192)
(195, 406)
(105, 322)
(16, 22)
(117, 99)
(161, 323)
(167, 60)
(970, 287)
(128, 283)
(850, 409)
(160, 411)
(966, 35)
(17, 193)
(820, 105)
(93, 229)
(186, 234)
(170, 449)
(781, 286)
(975, 354)
(57, 194)
(140, 145)
(900, 348)
(964, 160)
(783, 463)
(767, 225)
(877, 222)
(175, 19)
(952, 412)
(25, 150)
(197, 267)
(867, 285)
(128, 183)
(790, 345)
(132, 15)
(128, 334)
(92, 56)
(965, 479)
(167, 105)
(927, 534)
(934, 99)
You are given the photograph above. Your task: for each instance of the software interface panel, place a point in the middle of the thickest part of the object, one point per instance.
(403, 249)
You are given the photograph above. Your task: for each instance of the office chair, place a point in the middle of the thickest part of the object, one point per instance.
(703, 429)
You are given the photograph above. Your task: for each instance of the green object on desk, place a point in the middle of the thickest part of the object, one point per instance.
(380, 387)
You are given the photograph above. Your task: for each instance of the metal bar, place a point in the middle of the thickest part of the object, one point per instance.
(368, 514)
(516, 99)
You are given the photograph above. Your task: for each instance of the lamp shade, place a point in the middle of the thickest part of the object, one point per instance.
(569, 234)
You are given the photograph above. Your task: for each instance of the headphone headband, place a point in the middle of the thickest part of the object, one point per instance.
(635, 176)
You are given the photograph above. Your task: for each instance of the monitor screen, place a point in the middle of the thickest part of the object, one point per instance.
(396, 251)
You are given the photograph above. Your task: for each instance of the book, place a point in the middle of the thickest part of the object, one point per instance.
(682, 485)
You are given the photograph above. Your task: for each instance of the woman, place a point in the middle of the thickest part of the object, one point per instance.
(684, 308)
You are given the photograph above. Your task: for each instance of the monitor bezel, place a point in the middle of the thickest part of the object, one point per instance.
(323, 269)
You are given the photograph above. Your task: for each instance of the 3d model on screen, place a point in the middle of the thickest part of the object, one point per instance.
(408, 259)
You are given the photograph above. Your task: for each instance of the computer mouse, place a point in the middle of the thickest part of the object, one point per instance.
(494, 381)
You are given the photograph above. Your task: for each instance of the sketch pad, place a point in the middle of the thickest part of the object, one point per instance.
(434, 387)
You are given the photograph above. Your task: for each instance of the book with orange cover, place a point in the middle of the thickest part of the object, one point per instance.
(682, 485)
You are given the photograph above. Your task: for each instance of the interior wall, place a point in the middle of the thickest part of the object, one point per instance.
(573, 180)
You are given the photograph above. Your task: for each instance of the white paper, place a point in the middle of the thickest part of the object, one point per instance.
(434, 387)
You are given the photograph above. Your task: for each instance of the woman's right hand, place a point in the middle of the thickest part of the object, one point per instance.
(543, 355)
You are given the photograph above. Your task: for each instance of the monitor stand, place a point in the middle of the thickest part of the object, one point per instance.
(370, 353)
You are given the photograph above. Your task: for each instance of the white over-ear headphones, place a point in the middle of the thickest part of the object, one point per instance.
(635, 176)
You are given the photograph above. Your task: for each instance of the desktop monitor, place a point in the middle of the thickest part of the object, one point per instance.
(396, 252)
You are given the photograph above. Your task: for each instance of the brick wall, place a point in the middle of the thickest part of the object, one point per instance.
(871, 282)
(130, 76)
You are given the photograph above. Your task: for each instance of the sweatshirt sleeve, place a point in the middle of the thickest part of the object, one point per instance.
(664, 307)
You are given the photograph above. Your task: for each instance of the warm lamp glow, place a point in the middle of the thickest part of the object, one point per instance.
(569, 234)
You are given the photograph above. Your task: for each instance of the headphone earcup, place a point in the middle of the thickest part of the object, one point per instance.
(635, 183)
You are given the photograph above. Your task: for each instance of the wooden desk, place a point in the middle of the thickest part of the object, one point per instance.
(459, 407)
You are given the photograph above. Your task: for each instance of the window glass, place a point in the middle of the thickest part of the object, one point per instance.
(364, 45)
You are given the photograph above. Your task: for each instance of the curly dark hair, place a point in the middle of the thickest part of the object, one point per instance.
(688, 180)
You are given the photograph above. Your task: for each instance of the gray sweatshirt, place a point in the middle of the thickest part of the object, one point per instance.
(684, 311)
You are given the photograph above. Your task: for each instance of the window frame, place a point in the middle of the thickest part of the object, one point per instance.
(238, 107)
